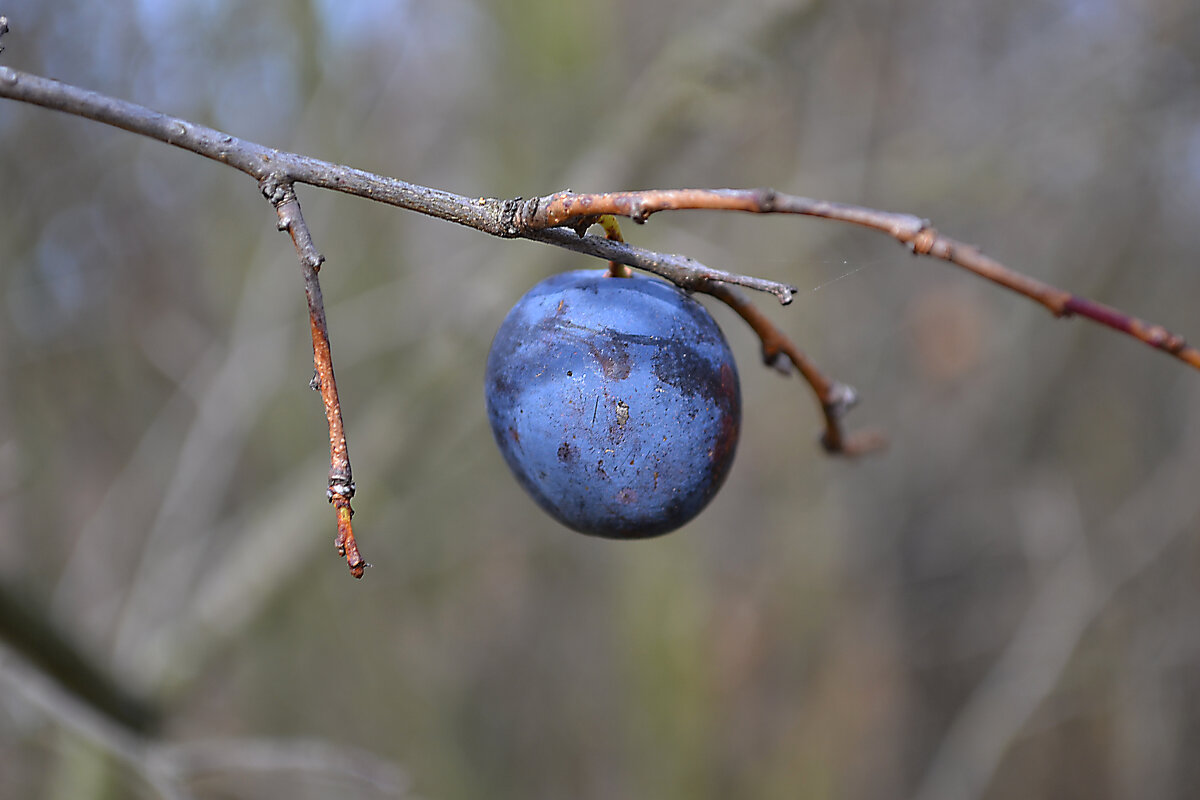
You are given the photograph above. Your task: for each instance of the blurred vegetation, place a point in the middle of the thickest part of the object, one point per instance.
(1002, 605)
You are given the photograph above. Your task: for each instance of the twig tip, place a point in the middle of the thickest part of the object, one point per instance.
(861, 443)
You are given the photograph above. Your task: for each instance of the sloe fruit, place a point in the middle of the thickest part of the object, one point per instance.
(615, 402)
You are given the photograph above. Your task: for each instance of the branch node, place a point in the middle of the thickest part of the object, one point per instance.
(638, 212)
(512, 215)
(581, 225)
(278, 190)
(340, 486)
(842, 397)
(922, 243)
(774, 358)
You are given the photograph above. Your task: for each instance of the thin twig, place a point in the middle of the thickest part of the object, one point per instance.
(685, 272)
(194, 759)
(19, 679)
(341, 477)
(567, 208)
(834, 398)
(168, 767)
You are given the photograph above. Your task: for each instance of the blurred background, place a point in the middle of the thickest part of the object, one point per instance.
(1003, 605)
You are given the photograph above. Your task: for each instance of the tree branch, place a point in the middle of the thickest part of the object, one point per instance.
(561, 219)
(568, 208)
(487, 214)
(539, 217)
(532, 218)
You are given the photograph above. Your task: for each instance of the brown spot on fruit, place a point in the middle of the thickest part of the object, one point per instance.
(613, 359)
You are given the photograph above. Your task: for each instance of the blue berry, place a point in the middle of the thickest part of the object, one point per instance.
(615, 402)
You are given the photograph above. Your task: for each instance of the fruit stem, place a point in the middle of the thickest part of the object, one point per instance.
(612, 232)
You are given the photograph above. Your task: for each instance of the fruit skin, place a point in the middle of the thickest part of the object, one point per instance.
(615, 402)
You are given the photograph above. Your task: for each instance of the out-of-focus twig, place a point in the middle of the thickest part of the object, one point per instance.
(27, 629)
(168, 767)
(1068, 600)
(19, 679)
(221, 756)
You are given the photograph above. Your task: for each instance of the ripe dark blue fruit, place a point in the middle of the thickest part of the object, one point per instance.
(615, 401)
